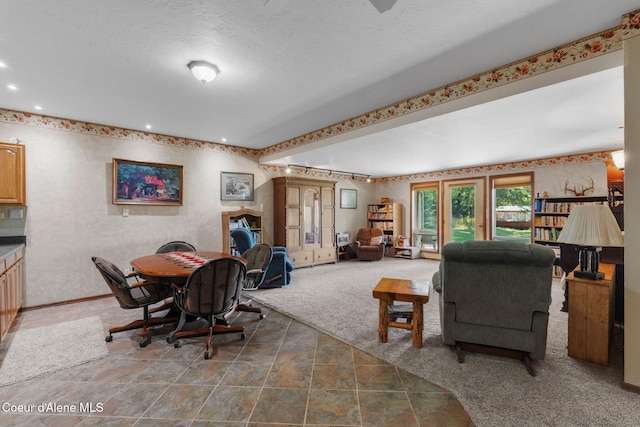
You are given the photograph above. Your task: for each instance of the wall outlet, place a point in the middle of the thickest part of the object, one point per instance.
(125, 212)
(16, 213)
(1, 215)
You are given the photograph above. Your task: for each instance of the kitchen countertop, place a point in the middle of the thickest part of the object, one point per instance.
(6, 250)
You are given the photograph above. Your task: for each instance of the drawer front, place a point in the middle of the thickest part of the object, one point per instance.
(302, 258)
(325, 255)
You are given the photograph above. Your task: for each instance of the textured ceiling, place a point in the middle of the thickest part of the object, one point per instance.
(289, 67)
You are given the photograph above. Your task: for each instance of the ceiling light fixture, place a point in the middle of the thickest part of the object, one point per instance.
(353, 175)
(203, 71)
(12, 87)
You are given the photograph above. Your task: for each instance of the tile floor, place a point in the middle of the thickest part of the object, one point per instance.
(283, 374)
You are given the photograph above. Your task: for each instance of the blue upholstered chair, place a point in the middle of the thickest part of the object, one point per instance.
(279, 271)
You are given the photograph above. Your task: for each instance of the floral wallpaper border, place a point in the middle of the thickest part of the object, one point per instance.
(496, 169)
(30, 119)
(589, 47)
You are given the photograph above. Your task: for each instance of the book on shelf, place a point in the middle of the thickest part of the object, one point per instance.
(380, 215)
(384, 208)
(547, 234)
(551, 221)
(545, 206)
(381, 225)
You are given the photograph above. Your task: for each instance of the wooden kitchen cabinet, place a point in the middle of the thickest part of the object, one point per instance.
(13, 189)
(11, 285)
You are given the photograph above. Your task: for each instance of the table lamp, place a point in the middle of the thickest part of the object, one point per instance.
(590, 227)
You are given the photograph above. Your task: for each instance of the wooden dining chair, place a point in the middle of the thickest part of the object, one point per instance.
(212, 291)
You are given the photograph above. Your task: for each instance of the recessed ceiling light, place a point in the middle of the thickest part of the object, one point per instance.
(3, 65)
(147, 126)
(12, 87)
(224, 139)
(37, 107)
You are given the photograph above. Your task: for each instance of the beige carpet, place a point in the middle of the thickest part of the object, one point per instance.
(337, 299)
(33, 352)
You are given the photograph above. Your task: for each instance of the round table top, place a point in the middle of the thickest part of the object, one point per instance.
(174, 267)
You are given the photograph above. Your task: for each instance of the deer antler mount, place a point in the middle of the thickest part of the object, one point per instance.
(580, 190)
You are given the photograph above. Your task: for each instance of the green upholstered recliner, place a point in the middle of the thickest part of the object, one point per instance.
(497, 294)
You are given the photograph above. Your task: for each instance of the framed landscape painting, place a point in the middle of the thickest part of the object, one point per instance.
(236, 186)
(143, 183)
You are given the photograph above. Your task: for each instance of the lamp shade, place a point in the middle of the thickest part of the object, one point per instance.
(203, 70)
(618, 159)
(591, 225)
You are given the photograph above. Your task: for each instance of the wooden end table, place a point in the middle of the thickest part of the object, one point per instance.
(389, 290)
(591, 312)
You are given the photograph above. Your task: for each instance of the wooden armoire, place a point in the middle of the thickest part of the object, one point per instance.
(304, 219)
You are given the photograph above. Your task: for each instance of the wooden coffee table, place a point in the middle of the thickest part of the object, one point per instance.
(389, 290)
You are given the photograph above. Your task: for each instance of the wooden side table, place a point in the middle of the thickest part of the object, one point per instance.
(591, 312)
(389, 290)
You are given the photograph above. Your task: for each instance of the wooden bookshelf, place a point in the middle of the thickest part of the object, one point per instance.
(551, 213)
(243, 218)
(388, 217)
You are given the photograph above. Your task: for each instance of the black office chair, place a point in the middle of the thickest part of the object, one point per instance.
(132, 296)
(212, 290)
(258, 258)
(176, 246)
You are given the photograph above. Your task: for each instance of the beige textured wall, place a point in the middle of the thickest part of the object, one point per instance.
(632, 212)
(70, 216)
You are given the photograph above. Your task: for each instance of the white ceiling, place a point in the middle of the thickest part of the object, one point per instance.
(289, 67)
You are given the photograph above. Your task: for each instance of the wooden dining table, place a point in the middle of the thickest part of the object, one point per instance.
(174, 267)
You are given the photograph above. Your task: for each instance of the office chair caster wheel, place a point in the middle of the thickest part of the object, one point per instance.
(261, 316)
(108, 338)
(243, 336)
(143, 343)
(206, 355)
(177, 344)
